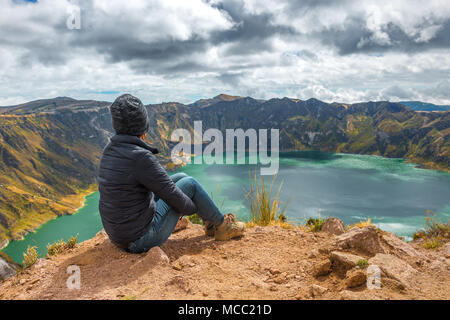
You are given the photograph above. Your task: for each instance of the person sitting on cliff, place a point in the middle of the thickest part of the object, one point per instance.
(140, 204)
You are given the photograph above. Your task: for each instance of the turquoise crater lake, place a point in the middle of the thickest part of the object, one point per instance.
(393, 193)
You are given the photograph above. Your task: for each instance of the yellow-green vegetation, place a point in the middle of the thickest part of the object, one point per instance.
(56, 247)
(60, 246)
(361, 224)
(48, 161)
(361, 131)
(130, 297)
(432, 243)
(436, 233)
(315, 224)
(44, 169)
(71, 243)
(194, 218)
(265, 208)
(30, 257)
(362, 263)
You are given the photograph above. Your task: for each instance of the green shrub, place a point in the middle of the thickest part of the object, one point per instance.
(436, 232)
(194, 218)
(30, 257)
(362, 263)
(419, 235)
(435, 228)
(315, 224)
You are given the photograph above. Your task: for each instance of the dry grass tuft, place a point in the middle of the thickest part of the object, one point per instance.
(265, 208)
(60, 246)
(361, 224)
(30, 257)
(436, 233)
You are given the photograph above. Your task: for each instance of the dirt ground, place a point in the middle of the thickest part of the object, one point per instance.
(266, 263)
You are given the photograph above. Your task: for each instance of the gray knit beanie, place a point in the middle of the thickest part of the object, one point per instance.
(129, 116)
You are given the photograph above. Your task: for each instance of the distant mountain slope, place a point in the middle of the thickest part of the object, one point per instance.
(46, 161)
(50, 149)
(424, 106)
(203, 103)
(51, 105)
(377, 128)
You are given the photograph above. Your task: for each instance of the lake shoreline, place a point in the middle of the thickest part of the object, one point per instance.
(82, 195)
(333, 162)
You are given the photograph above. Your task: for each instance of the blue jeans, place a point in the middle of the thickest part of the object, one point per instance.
(166, 218)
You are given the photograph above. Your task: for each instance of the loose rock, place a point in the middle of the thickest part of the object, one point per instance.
(355, 278)
(344, 260)
(333, 226)
(322, 268)
(317, 291)
(400, 248)
(364, 239)
(181, 225)
(156, 256)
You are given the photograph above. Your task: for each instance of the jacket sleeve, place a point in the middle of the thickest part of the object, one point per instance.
(152, 175)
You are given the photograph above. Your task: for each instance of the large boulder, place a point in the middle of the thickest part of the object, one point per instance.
(394, 268)
(364, 239)
(400, 248)
(333, 226)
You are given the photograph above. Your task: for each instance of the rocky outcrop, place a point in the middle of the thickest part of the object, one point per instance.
(8, 268)
(57, 131)
(333, 226)
(344, 260)
(394, 268)
(364, 239)
(267, 263)
(399, 248)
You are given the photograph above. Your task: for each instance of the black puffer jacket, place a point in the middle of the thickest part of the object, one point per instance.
(129, 175)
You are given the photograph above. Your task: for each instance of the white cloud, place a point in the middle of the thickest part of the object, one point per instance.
(172, 51)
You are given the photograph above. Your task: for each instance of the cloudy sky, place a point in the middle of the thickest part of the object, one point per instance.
(167, 50)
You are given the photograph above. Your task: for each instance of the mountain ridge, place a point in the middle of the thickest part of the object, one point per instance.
(49, 150)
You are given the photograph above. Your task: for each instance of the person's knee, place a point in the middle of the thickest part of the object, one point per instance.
(178, 176)
(192, 182)
(188, 185)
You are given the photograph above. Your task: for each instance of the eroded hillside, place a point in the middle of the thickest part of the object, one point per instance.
(49, 151)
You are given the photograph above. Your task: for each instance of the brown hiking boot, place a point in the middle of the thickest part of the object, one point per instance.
(229, 228)
(209, 229)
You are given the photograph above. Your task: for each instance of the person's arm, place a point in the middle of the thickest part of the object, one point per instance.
(152, 175)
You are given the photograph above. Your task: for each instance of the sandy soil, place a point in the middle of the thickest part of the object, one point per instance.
(267, 263)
